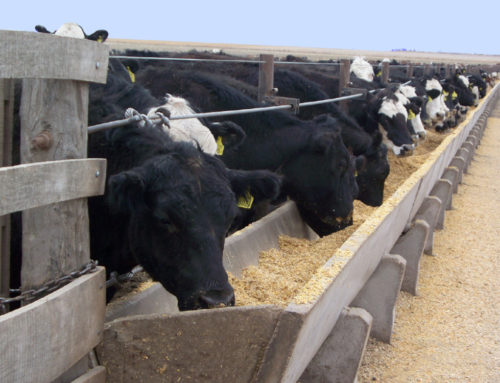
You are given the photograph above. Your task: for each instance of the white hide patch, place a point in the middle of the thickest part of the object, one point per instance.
(408, 91)
(189, 130)
(433, 84)
(464, 80)
(70, 30)
(390, 108)
(475, 92)
(435, 109)
(362, 69)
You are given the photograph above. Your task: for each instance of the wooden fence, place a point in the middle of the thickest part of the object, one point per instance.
(43, 341)
(49, 340)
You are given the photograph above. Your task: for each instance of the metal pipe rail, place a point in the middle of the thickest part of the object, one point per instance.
(117, 123)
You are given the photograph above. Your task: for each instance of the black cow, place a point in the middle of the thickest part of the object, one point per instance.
(369, 149)
(168, 207)
(317, 168)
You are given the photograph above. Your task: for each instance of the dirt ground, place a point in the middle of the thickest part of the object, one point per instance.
(450, 332)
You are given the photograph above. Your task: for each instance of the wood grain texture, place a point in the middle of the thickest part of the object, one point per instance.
(33, 185)
(40, 55)
(40, 341)
(55, 237)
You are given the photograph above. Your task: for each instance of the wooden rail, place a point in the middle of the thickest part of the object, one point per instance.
(43, 339)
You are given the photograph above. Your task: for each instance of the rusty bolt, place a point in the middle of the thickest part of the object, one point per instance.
(43, 141)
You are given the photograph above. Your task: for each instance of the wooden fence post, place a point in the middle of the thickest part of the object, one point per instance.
(385, 72)
(266, 77)
(54, 127)
(344, 76)
(6, 126)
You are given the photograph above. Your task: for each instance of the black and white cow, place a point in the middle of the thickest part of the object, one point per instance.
(75, 31)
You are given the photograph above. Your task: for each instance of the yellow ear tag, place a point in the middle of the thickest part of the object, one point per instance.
(379, 74)
(220, 146)
(445, 94)
(99, 39)
(411, 115)
(245, 201)
(355, 173)
(131, 74)
(454, 95)
(429, 98)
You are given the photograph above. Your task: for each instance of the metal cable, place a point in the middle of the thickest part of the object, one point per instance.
(221, 60)
(114, 124)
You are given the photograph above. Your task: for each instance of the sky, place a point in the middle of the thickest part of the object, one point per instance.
(423, 25)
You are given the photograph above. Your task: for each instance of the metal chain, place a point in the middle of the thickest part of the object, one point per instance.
(30, 295)
(117, 279)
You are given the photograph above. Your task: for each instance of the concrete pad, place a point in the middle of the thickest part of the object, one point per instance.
(411, 246)
(451, 173)
(340, 356)
(379, 295)
(466, 155)
(459, 163)
(443, 189)
(429, 212)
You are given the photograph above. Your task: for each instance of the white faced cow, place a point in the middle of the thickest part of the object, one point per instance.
(435, 107)
(76, 31)
(362, 69)
(408, 97)
(190, 130)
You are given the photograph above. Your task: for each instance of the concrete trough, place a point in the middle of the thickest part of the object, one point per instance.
(153, 342)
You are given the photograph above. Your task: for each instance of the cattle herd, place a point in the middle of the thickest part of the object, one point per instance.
(177, 187)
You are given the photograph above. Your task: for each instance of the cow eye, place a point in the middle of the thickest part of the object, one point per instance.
(165, 222)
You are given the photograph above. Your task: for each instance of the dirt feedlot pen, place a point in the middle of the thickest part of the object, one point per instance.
(277, 343)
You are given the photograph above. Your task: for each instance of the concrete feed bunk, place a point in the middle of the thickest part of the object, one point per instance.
(269, 343)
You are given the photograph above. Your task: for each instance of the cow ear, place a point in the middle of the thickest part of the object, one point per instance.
(100, 36)
(262, 184)
(360, 163)
(231, 134)
(126, 191)
(41, 29)
(322, 142)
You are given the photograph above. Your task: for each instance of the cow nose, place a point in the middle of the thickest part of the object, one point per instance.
(217, 298)
(407, 149)
(422, 135)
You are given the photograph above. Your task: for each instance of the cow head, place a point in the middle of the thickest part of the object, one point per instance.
(362, 69)
(75, 31)
(392, 120)
(435, 106)
(320, 179)
(372, 170)
(177, 207)
(413, 104)
(466, 95)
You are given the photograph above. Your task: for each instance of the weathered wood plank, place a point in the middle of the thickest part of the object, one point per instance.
(55, 237)
(40, 55)
(40, 341)
(33, 185)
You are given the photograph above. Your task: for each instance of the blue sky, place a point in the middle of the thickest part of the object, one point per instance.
(422, 25)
